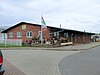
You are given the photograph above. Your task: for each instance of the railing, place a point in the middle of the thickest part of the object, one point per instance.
(10, 42)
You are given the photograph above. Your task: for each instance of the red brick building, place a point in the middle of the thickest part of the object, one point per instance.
(27, 31)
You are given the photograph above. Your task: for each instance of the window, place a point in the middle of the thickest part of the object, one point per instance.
(55, 33)
(39, 34)
(29, 34)
(66, 35)
(11, 34)
(19, 34)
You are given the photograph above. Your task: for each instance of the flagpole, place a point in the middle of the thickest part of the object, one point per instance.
(43, 27)
(41, 35)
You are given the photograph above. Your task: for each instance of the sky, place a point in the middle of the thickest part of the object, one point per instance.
(71, 14)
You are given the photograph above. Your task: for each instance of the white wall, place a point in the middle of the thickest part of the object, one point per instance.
(3, 35)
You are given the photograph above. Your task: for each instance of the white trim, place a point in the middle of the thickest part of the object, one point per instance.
(19, 34)
(29, 34)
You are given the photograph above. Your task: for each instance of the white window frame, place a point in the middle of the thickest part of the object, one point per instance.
(10, 34)
(55, 33)
(19, 34)
(29, 34)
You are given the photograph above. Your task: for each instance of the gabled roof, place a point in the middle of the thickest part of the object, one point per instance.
(5, 31)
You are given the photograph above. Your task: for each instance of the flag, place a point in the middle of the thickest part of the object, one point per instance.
(44, 27)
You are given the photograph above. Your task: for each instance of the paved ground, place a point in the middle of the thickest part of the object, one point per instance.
(36, 62)
(41, 61)
(10, 69)
(83, 63)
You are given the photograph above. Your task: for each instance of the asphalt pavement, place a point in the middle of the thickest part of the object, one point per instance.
(67, 60)
(36, 62)
(82, 63)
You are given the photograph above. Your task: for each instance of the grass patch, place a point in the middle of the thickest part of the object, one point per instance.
(8, 45)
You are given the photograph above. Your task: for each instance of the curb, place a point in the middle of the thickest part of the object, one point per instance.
(53, 49)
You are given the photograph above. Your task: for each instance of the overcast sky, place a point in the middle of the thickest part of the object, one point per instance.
(71, 14)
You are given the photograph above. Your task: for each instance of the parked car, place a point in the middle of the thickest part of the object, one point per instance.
(2, 70)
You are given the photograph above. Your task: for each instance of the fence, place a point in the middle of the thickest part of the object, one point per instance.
(11, 42)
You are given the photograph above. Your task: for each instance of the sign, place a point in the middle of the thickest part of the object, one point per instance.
(23, 27)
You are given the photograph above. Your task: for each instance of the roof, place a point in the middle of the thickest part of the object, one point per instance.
(5, 31)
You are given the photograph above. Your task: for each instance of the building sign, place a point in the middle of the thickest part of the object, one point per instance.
(23, 27)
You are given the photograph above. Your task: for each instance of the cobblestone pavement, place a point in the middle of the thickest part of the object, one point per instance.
(10, 69)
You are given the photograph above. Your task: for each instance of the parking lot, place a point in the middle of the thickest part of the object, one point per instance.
(33, 62)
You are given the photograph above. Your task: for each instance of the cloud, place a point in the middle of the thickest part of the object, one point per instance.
(72, 14)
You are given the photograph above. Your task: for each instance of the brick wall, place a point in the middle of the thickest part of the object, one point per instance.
(73, 36)
(32, 28)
